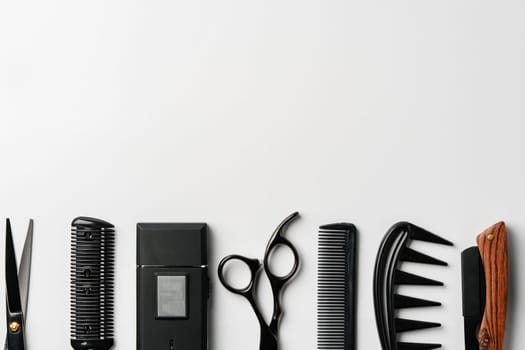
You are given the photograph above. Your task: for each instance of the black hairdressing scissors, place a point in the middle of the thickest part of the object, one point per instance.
(17, 285)
(269, 333)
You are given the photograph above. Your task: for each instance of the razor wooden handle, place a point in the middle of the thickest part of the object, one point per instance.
(492, 245)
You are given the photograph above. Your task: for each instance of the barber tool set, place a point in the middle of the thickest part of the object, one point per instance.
(173, 289)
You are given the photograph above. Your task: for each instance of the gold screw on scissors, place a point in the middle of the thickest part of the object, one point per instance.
(14, 327)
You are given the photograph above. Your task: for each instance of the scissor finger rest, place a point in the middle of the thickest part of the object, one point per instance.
(277, 240)
(253, 265)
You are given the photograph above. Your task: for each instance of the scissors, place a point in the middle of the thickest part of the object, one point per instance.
(17, 284)
(269, 333)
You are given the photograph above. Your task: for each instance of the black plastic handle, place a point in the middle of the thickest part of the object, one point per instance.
(278, 282)
(280, 241)
(253, 265)
(277, 240)
(267, 339)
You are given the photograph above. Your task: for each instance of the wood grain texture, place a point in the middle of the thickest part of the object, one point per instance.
(492, 245)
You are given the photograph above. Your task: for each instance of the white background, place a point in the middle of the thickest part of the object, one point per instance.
(239, 112)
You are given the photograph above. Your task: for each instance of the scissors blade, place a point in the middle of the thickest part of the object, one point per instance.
(11, 273)
(24, 272)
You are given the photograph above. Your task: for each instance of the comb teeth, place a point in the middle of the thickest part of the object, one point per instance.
(394, 249)
(404, 325)
(417, 346)
(412, 255)
(420, 234)
(405, 302)
(335, 276)
(402, 277)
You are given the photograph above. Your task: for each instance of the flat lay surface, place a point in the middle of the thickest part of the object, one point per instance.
(238, 113)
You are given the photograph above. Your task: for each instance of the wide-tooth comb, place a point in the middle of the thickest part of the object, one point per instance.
(335, 289)
(394, 250)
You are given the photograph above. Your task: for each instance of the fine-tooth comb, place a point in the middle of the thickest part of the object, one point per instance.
(394, 250)
(484, 272)
(335, 289)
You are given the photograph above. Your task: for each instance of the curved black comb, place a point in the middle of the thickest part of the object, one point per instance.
(393, 250)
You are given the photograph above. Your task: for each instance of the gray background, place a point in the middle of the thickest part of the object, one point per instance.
(239, 112)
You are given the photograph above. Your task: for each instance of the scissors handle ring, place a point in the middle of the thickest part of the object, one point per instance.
(253, 265)
(281, 241)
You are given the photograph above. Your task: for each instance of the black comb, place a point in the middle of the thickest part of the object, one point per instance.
(335, 289)
(92, 284)
(394, 250)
